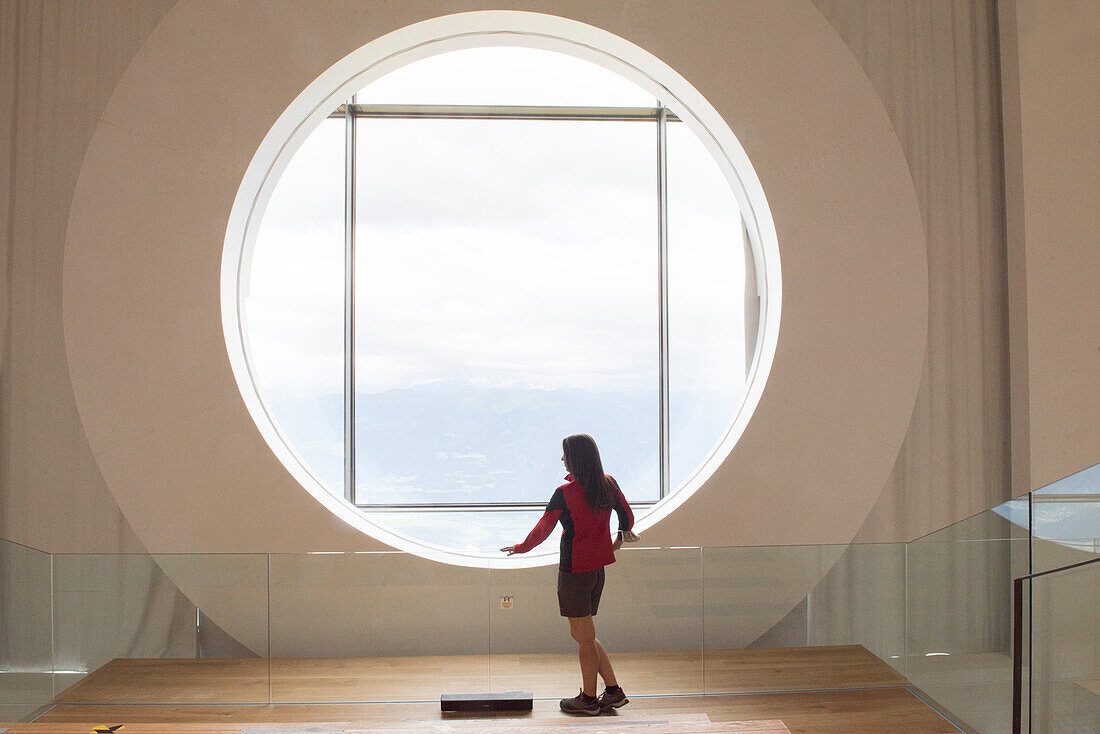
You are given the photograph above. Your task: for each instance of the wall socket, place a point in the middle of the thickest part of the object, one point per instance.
(507, 602)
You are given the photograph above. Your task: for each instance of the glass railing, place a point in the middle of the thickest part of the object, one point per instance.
(1057, 608)
(26, 644)
(958, 621)
(112, 610)
(1062, 649)
(1065, 518)
(383, 626)
(332, 627)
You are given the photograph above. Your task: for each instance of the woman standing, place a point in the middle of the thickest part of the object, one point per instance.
(583, 506)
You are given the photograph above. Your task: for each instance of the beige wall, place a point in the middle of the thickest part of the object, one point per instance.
(1058, 76)
(939, 451)
(59, 63)
(934, 66)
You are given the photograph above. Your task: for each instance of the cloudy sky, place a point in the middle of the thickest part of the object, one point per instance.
(522, 251)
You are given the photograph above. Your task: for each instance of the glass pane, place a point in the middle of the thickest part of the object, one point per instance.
(132, 628)
(26, 657)
(230, 595)
(861, 601)
(474, 532)
(505, 75)
(654, 602)
(959, 617)
(761, 622)
(361, 627)
(706, 286)
(649, 621)
(294, 305)
(1066, 515)
(506, 298)
(114, 606)
(1065, 653)
(1016, 512)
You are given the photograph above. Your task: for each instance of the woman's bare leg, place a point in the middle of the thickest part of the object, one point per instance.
(606, 672)
(593, 657)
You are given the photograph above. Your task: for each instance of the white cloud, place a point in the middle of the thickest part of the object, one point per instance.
(505, 76)
(511, 252)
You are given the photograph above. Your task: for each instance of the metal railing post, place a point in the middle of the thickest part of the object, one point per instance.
(1017, 654)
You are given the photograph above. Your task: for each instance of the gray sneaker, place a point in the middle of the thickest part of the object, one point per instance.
(581, 704)
(609, 700)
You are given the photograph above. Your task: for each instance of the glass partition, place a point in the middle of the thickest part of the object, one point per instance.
(756, 596)
(861, 601)
(150, 618)
(1061, 650)
(1066, 521)
(1065, 652)
(758, 599)
(934, 615)
(364, 627)
(958, 617)
(26, 661)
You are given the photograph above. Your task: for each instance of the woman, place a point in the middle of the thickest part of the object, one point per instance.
(583, 506)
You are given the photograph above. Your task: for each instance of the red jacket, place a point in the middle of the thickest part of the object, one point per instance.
(586, 534)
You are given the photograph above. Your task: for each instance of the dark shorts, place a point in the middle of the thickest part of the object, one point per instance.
(579, 593)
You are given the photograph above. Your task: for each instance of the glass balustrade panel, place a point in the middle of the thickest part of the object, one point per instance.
(359, 627)
(131, 629)
(385, 626)
(1065, 652)
(861, 601)
(1066, 518)
(763, 632)
(959, 617)
(26, 665)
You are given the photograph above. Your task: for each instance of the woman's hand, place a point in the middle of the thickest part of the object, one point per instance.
(618, 542)
(509, 549)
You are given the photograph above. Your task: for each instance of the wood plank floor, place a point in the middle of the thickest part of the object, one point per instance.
(875, 711)
(652, 724)
(364, 680)
(799, 690)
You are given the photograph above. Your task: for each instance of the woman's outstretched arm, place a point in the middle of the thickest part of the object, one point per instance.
(543, 527)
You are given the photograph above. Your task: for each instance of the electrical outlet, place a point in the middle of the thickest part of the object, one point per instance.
(506, 602)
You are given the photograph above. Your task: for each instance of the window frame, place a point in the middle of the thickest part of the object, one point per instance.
(660, 116)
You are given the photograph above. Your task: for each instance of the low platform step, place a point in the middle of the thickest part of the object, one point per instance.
(510, 701)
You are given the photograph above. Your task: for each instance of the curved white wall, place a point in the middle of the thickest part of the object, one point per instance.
(156, 394)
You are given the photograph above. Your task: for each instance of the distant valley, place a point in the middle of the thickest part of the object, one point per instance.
(457, 441)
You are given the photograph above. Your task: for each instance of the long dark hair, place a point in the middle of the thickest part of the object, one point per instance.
(582, 458)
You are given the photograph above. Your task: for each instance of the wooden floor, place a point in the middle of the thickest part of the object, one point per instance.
(653, 724)
(796, 690)
(975, 687)
(424, 678)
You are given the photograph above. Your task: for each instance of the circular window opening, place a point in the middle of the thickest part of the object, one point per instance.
(477, 246)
